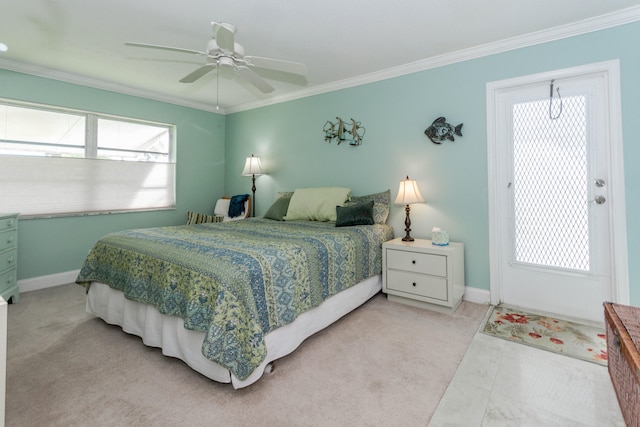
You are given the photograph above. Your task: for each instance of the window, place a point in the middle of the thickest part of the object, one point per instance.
(59, 162)
(118, 140)
(33, 132)
(551, 222)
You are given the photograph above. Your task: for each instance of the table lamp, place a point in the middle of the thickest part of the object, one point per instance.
(253, 168)
(408, 193)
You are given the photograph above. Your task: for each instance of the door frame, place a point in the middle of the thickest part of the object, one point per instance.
(617, 207)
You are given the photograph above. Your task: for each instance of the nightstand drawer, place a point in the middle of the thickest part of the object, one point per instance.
(417, 284)
(8, 260)
(8, 240)
(417, 262)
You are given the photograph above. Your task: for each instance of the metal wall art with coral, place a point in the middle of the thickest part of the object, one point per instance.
(440, 130)
(341, 131)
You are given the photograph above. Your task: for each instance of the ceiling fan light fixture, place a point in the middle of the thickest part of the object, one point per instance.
(226, 61)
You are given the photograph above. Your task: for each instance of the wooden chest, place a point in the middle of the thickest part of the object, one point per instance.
(623, 341)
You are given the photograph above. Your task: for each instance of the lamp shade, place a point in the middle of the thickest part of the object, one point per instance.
(408, 193)
(252, 166)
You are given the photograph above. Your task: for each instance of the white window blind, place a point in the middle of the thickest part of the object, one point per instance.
(55, 163)
(53, 186)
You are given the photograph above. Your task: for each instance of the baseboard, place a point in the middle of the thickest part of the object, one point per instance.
(479, 296)
(48, 281)
(475, 295)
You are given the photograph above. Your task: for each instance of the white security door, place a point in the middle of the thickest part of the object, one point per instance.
(553, 190)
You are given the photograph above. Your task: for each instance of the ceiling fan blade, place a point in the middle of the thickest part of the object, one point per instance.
(173, 49)
(224, 35)
(277, 64)
(254, 79)
(190, 78)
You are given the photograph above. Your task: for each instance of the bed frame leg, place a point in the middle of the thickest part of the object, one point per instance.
(269, 368)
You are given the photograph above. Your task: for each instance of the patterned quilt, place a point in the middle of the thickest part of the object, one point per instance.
(236, 281)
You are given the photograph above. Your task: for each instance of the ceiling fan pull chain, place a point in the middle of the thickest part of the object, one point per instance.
(217, 90)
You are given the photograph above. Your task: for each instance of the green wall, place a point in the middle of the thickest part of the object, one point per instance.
(452, 176)
(288, 138)
(55, 245)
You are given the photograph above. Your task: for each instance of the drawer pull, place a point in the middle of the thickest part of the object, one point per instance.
(10, 239)
(10, 260)
(414, 284)
(413, 261)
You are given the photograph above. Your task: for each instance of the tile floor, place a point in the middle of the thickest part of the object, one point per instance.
(500, 383)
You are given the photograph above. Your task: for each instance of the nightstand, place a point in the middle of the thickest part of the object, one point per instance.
(9, 257)
(424, 275)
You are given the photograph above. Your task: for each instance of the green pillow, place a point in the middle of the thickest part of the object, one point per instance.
(316, 204)
(358, 214)
(278, 209)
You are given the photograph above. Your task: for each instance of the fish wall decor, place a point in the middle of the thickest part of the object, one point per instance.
(440, 130)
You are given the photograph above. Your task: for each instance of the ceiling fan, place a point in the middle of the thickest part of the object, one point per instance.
(223, 51)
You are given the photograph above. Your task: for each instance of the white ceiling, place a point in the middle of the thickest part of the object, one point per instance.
(343, 42)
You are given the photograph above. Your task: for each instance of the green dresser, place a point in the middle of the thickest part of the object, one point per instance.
(9, 257)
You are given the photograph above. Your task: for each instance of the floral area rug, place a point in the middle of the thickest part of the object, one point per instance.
(541, 331)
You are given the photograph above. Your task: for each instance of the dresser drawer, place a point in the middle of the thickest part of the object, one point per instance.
(8, 240)
(8, 223)
(417, 284)
(7, 279)
(417, 262)
(8, 260)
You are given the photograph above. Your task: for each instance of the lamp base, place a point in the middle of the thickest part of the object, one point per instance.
(407, 226)
(253, 199)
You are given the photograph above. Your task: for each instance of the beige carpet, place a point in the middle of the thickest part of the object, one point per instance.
(385, 364)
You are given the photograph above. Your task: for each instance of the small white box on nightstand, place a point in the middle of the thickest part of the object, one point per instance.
(422, 274)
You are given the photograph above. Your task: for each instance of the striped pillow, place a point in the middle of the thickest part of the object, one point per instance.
(198, 218)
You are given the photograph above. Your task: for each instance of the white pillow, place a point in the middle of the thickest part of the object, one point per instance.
(222, 209)
(316, 204)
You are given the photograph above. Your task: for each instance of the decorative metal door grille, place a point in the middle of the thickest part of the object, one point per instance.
(550, 169)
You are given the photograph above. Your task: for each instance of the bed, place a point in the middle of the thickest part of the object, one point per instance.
(228, 298)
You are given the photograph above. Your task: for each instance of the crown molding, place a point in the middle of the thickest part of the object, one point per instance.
(48, 73)
(613, 19)
(622, 17)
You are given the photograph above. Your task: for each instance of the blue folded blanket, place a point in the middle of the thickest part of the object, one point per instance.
(236, 205)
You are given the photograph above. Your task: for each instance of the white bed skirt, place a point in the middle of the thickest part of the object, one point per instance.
(169, 334)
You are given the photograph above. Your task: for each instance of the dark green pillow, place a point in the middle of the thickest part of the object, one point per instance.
(278, 209)
(381, 202)
(358, 214)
